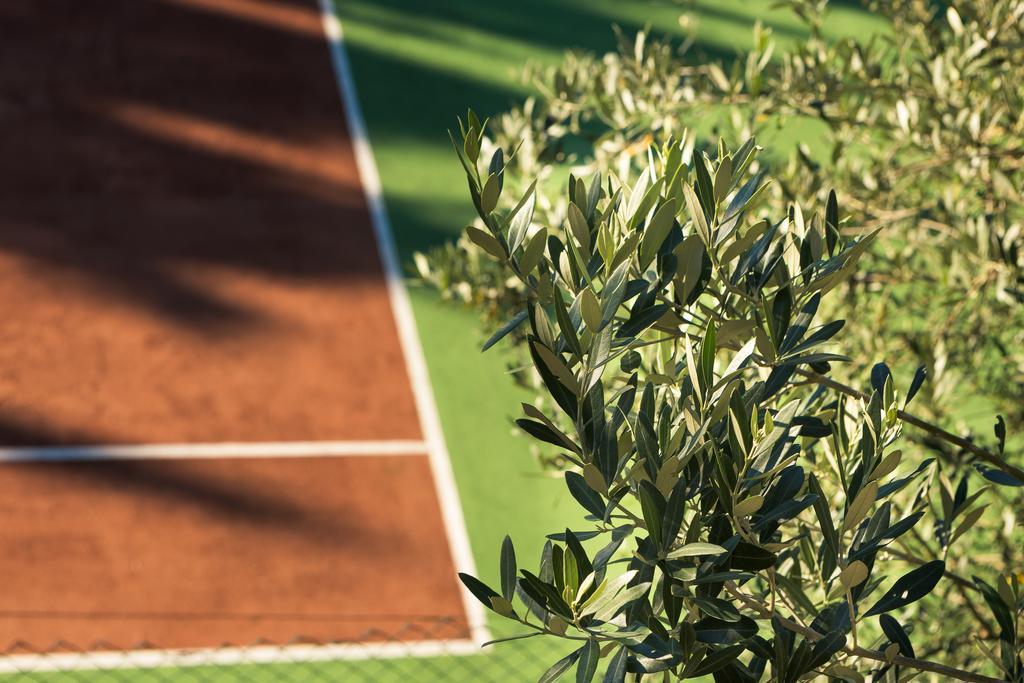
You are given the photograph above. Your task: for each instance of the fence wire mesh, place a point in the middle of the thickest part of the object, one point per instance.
(416, 652)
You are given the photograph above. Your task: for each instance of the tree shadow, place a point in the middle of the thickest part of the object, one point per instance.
(155, 138)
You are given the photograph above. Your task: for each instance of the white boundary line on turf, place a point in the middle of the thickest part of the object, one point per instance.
(228, 656)
(440, 462)
(193, 451)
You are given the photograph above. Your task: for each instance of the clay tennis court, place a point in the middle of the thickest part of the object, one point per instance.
(208, 430)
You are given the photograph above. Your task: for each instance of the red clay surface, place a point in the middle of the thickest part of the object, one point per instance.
(186, 256)
(193, 553)
(183, 238)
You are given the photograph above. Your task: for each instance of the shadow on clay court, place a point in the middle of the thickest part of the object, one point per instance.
(149, 159)
(151, 154)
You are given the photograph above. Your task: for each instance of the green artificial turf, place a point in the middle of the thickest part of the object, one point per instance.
(417, 65)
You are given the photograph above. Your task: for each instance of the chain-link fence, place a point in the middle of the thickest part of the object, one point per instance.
(413, 653)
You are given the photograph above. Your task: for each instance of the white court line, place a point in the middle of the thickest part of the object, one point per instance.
(440, 462)
(191, 451)
(229, 656)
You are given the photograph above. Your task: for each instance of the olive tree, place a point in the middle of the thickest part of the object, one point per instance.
(743, 513)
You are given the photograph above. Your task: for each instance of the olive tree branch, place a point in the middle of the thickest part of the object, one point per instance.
(857, 651)
(923, 425)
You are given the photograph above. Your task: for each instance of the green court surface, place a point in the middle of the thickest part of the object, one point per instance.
(417, 65)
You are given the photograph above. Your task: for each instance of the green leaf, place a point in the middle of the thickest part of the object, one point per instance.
(616, 671)
(534, 252)
(566, 326)
(590, 309)
(719, 577)
(479, 589)
(579, 228)
(471, 146)
(652, 505)
(919, 376)
(521, 636)
(744, 155)
(855, 574)
(656, 231)
(739, 202)
(605, 593)
(819, 336)
(707, 356)
(824, 515)
(497, 167)
(1001, 478)
(463, 159)
(557, 367)
(751, 557)
(543, 432)
(544, 593)
(803, 320)
(831, 222)
(896, 634)
(641, 320)
(570, 576)
(748, 506)
(719, 632)
(719, 609)
(486, 241)
(704, 186)
(593, 194)
(969, 520)
(579, 553)
(608, 610)
(723, 178)
(700, 222)
(695, 550)
(587, 497)
(638, 208)
(505, 329)
(590, 654)
(1000, 610)
(613, 292)
(560, 667)
(522, 216)
(825, 648)
(675, 509)
(716, 660)
(910, 587)
(508, 569)
(637, 196)
(860, 506)
(1000, 432)
(491, 192)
